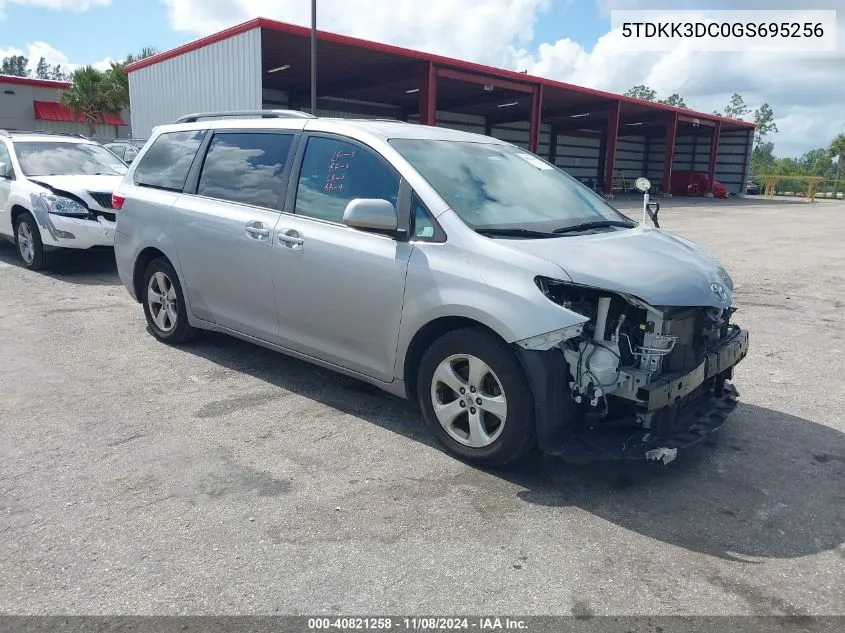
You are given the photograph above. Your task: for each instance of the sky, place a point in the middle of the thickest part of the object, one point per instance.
(569, 40)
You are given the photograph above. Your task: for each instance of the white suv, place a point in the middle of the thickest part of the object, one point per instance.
(55, 192)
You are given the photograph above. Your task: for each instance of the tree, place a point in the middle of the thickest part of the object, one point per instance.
(837, 150)
(43, 70)
(764, 120)
(736, 108)
(674, 100)
(762, 158)
(57, 74)
(642, 92)
(816, 162)
(15, 65)
(89, 96)
(117, 80)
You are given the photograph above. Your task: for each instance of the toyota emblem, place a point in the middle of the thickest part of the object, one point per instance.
(720, 292)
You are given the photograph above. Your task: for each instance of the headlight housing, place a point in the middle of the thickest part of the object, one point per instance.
(59, 205)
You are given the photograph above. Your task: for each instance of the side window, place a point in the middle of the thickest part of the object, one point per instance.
(130, 154)
(7, 162)
(245, 167)
(117, 150)
(334, 172)
(423, 228)
(168, 161)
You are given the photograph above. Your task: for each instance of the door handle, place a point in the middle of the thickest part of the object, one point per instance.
(291, 238)
(256, 230)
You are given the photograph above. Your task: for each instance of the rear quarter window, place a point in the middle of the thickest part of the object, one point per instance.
(168, 160)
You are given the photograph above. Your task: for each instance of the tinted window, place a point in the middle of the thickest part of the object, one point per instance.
(168, 160)
(48, 158)
(335, 172)
(246, 168)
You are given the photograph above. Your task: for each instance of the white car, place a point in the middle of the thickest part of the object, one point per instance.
(56, 192)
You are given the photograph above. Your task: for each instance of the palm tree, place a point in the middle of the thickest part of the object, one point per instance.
(117, 85)
(837, 151)
(89, 96)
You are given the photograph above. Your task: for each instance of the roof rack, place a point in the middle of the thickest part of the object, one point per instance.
(264, 114)
(10, 133)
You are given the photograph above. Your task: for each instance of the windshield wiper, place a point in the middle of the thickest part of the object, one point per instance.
(513, 232)
(600, 224)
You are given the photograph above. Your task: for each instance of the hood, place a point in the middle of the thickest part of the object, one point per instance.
(79, 184)
(656, 266)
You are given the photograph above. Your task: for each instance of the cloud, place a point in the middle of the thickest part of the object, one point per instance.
(804, 90)
(59, 5)
(480, 30)
(36, 50)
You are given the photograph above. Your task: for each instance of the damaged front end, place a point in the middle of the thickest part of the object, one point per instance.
(638, 381)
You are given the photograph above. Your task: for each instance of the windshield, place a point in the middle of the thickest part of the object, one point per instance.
(43, 158)
(503, 187)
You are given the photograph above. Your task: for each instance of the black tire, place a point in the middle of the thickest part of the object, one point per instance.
(39, 256)
(182, 332)
(518, 436)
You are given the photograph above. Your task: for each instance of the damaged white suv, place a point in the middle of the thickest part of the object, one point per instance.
(515, 304)
(56, 192)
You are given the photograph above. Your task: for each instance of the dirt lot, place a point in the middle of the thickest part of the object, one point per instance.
(222, 478)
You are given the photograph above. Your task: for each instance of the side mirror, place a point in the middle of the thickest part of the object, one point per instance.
(653, 208)
(372, 214)
(5, 171)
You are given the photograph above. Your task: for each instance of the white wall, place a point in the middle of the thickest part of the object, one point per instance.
(225, 75)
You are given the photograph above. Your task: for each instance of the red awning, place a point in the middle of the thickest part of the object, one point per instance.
(52, 111)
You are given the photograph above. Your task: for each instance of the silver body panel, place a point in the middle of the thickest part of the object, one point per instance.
(353, 300)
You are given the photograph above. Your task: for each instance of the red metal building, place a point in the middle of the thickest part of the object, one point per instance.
(604, 139)
(32, 104)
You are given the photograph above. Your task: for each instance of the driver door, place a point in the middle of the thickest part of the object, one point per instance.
(339, 290)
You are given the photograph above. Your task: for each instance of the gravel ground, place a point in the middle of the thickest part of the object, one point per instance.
(137, 478)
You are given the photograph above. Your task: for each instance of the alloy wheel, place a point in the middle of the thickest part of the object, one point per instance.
(161, 298)
(25, 245)
(468, 400)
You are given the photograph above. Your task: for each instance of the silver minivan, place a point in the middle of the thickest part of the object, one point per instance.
(517, 306)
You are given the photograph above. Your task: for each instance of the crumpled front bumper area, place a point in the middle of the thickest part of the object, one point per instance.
(694, 422)
(68, 232)
(685, 409)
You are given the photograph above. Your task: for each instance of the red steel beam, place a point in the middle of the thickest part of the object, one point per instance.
(610, 144)
(536, 119)
(428, 96)
(669, 154)
(714, 148)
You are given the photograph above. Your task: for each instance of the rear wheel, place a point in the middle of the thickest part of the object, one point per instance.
(475, 397)
(164, 304)
(28, 241)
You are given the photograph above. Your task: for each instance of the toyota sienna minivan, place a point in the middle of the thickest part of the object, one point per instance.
(519, 308)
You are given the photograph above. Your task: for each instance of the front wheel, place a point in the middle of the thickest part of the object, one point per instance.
(28, 241)
(476, 398)
(164, 304)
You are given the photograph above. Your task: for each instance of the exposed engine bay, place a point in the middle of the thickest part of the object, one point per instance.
(632, 363)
